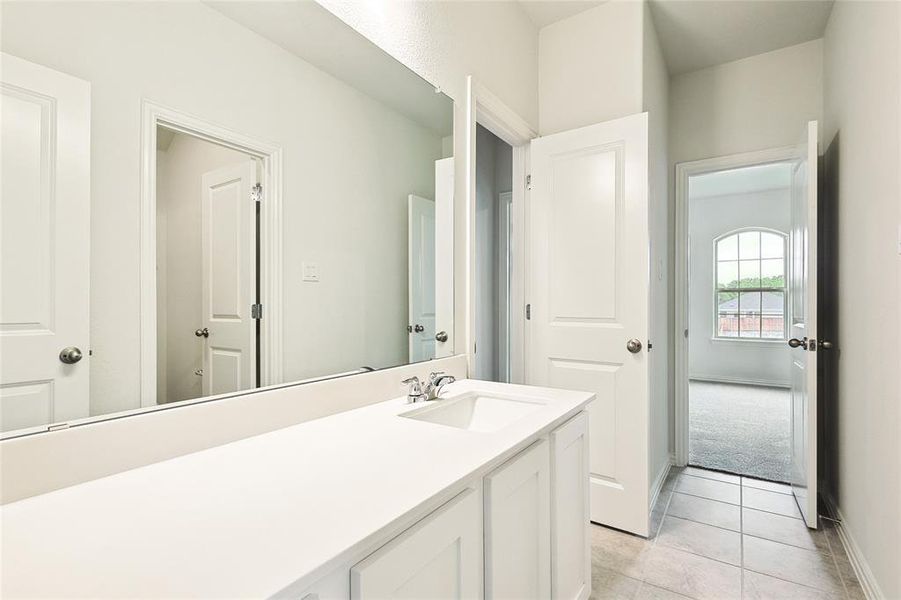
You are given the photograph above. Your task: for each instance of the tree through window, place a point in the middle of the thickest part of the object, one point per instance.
(750, 285)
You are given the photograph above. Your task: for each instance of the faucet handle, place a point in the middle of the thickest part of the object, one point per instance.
(414, 383)
(435, 376)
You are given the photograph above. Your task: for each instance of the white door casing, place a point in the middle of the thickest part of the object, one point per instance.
(421, 275)
(803, 325)
(45, 118)
(228, 278)
(588, 289)
(438, 558)
(517, 527)
(444, 255)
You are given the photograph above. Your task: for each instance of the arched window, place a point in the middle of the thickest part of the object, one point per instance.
(750, 284)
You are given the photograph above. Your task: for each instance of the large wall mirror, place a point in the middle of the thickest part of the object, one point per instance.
(203, 198)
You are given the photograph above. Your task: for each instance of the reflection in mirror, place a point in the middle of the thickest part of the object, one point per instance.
(201, 198)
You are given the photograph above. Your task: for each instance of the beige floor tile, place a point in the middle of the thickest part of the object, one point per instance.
(652, 592)
(618, 551)
(757, 586)
(806, 567)
(692, 575)
(698, 538)
(703, 510)
(773, 502)
(715, 475)
(607, 584)
(854, 589)
(770, 486)
(708, 488)
(783, 529)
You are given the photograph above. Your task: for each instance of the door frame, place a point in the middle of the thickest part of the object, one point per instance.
(270, 232)
(685, 170)
(486, 109)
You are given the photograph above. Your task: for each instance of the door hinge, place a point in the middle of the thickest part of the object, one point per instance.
(528, 312)
(256, 311)
(256, 194)
(528, 182)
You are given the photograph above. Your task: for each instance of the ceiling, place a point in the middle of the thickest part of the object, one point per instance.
(545, 12)
(701, 33)
(312, 33)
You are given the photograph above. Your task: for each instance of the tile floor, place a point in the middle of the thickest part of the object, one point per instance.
(721, 536)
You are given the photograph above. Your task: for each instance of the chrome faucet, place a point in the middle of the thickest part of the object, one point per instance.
(418, 392)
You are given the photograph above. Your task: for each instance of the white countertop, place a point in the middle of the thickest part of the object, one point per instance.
(249, 518)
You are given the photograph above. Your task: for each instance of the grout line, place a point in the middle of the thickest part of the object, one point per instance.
(804, 585)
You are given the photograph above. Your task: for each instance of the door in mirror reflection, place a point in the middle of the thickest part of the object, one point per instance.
(206, 276)
(45, 125)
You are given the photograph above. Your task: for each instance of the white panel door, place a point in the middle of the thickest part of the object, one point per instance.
(438, 558)
(45, 209)
(444, 257)
(421, 274)
(588, 289)
(517, 527)
(803, 325)
(570, 536)
(229, 278)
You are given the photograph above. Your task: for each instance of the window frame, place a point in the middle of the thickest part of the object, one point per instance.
(784, 289)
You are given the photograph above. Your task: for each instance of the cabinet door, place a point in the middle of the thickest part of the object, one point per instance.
(570, 541)
(439, 557)
(517, 527)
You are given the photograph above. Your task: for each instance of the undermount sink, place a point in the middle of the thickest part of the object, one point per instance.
(474, 412)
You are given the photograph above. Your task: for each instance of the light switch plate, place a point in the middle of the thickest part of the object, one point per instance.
(310, 271)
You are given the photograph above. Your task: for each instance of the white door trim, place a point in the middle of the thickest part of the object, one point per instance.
(152, 115)
(486, 109)
(684, 171)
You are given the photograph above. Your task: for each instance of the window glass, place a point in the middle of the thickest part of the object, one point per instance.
(749, 245)
(750, 291)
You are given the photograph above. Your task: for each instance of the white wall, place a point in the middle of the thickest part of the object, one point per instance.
(180, 169)
(863, 122)
(344, 199)
(730, 360)
(590, 67)
(754, 103)
(655, 100)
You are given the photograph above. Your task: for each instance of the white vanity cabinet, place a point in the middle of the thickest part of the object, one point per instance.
(439, 557)
(517, 526)
(570, 534)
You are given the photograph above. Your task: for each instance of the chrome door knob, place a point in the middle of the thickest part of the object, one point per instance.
(418, 328)
(202, 332)
(441, 336)
(633, 346)
(796, 343)
(70, 355)
(826, 345)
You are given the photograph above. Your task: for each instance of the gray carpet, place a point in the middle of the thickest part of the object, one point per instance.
(741, 429)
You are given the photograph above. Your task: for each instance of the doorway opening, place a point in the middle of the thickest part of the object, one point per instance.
(493, 257)
(207, 278)
(737, 363)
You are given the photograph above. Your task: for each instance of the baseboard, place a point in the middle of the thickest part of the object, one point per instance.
(739, 381)
(864, 575)
(658, 483)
